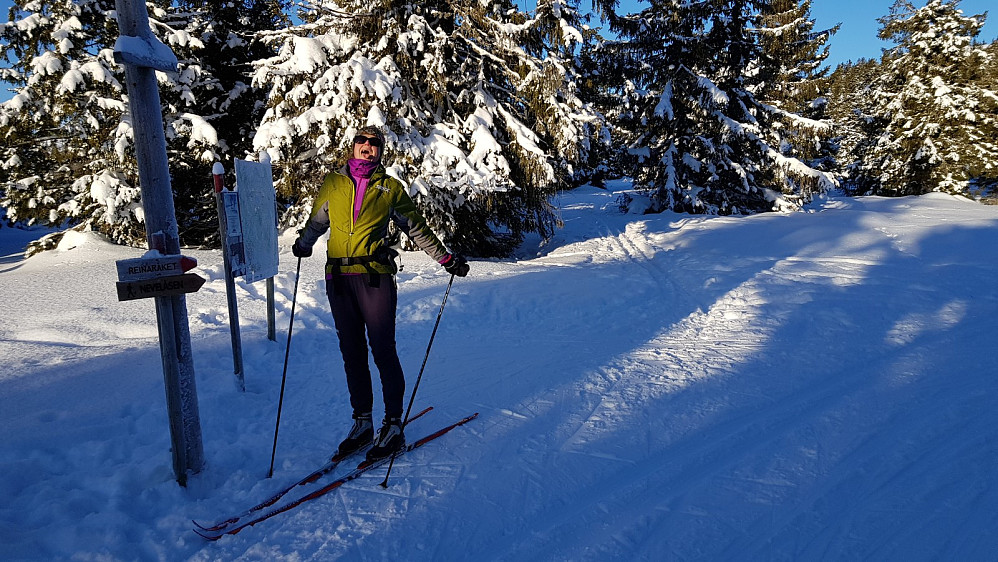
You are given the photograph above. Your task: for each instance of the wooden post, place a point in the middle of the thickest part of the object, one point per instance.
(142, 54)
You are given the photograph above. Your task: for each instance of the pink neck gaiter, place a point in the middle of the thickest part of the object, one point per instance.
(361, 172)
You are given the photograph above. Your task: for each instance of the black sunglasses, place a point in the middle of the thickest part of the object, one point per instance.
(373, 141)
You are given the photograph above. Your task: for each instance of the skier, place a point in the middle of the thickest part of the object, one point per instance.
(355, 205)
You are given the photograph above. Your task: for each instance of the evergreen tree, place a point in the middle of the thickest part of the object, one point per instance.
(856, 124)
(479, 102)
(695, 130)
(594, 92)
(794, 54)
(63, 132)
(936, 122)
(987, 187)
(795, 81)
(213, 96)
(68, 158)
(851, 109)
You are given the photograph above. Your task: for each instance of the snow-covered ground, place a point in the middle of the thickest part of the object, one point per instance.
(668, 387)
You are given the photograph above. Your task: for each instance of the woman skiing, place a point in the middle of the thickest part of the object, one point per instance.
(356, 204)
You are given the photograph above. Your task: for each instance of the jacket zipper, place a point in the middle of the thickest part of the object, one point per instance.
(353, 203)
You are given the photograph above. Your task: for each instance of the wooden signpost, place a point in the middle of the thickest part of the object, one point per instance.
(142, 54)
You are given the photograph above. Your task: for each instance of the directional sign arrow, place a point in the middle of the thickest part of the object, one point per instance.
(159, 287)
(139, 269)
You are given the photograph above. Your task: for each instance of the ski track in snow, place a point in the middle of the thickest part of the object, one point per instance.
(776, 387)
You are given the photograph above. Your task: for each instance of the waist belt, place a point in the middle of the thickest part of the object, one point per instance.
(382, 255)
(356, 260)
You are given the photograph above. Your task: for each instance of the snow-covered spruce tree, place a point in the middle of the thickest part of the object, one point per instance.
(697, 133)
(602, 82)
(478, 101)
(646, 63)
(794, 80)
(63, 133)
(987, 188)
(68, 158)
(587, 78)
(938, 125)
(212, 100)
(851, 110)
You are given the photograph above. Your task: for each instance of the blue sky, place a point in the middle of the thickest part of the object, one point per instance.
(856, 39)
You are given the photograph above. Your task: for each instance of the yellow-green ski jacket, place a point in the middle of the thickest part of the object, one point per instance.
(385, 199)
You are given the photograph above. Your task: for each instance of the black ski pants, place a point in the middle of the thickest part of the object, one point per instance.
(358, 307)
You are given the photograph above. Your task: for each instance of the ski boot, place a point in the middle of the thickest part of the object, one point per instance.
(361, 434)
(390, 440)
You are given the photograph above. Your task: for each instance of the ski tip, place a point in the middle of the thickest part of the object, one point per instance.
(206, 537)
(210, 528)
(199, 525)
(217, 527)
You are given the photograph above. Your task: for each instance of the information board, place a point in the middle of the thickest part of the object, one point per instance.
(258, 216)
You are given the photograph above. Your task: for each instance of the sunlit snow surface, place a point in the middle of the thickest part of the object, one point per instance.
(799, 386)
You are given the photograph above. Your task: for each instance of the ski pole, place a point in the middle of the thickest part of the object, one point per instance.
(284, 375)
(384, 483)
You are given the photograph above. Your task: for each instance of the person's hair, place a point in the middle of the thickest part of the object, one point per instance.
(372, 131)
(368, 131)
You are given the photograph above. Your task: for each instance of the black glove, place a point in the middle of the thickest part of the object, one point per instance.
(457, 265)
(300, 251)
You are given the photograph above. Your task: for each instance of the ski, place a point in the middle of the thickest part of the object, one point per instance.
(311, 477)
(363, 468)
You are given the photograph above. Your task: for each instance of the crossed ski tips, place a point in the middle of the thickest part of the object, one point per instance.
(310, 478)
(231, 529)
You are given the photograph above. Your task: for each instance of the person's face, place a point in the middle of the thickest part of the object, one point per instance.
(366, 148)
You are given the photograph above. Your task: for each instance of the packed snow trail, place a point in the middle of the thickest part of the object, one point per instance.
(234, 526)
(809, 386)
